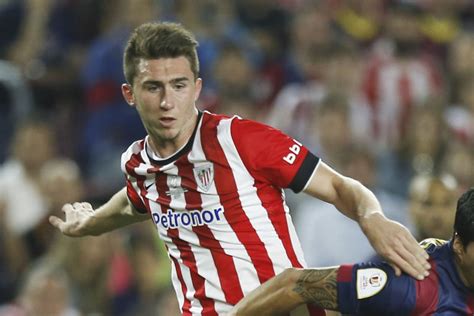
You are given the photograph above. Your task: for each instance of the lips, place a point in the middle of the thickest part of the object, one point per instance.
(167, 121)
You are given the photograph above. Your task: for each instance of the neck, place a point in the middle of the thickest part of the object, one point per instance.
(167, 147)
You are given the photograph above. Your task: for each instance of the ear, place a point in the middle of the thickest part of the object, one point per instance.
(197, 92)
(458, 248)
(127, 92)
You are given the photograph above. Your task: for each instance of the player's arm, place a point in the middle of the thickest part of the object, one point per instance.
(361, 289)
(82, 220)
(390, 239)
(289, 289)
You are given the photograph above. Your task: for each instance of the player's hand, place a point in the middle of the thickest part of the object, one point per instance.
(77, 218)
(396, 244)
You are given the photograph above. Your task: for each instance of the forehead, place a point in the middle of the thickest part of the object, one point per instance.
(438, 193)
(163, 69)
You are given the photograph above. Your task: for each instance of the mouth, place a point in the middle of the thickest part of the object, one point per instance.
(167, 121)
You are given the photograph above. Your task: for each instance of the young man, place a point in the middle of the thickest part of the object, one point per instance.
(213, 184)
(373, 288)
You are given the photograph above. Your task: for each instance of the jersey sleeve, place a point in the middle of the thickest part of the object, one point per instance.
(272, 156)
(134, 198)
(374, 289)
(133, 181)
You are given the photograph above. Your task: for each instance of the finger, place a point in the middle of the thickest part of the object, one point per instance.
(67, 208)
(77, 205)
(419, 255)
(86, 206)
(57, 222)
(413, 260)
(402, 264)
(418, 252)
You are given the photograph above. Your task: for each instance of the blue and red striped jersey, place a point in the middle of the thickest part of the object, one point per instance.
(374, 289)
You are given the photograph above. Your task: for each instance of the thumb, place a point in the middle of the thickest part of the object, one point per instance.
(56, 222)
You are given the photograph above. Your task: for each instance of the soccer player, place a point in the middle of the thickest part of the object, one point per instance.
(213, 185)
(373, 288)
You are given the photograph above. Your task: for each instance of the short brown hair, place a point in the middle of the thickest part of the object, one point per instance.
(159, 40)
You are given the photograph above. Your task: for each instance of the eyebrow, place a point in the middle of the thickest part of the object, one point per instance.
(157, 82)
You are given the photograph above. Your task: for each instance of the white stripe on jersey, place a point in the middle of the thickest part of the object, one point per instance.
(176, 285)
(256, 213)
(294, 238)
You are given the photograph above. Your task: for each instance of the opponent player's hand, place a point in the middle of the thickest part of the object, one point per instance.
(77, 217)
(397, 245)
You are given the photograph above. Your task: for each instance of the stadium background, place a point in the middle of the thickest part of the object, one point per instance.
(381, 90)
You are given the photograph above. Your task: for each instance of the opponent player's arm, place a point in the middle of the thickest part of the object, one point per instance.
(289, 289)
(390, 239)
(362, 289)
(82, 220)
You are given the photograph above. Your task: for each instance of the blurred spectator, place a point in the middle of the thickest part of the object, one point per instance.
(460, 115)
(149, 279)
(461, 50)
(360, 20)
(439, 25)
(310, 32)
(16, 103)
(32, 146)
(269, 23)
(88, 285)
(13, 259)
(216, 25)
(331, 130)
(45, 39)
(399, 76)
(459, 161)
(432, 205)
(237, 84)
(45, 292)
(420, 151)
(61, 183)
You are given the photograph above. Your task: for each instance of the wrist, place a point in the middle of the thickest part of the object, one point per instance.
(371, 219)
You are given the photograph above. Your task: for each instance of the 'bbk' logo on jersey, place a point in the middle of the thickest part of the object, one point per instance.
(204, 176)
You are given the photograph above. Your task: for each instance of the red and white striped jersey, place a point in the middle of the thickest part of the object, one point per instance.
(219, 206)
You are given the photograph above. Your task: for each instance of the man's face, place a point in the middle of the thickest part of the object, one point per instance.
(433, 213)
(164, 92)
(465, 261)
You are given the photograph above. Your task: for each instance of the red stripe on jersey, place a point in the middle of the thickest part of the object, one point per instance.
(427, 293)
(314, 310)
(279, 220)
(470, 304)
(134, 162)
(186, 253)
(344, 273)
(226, 270)
(229, 198)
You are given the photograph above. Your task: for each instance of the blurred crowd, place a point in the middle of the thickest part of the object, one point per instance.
(382, 90)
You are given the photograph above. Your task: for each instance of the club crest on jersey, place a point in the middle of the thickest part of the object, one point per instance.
(370, 281)
(204, 175)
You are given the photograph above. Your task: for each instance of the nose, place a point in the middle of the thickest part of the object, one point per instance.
(166, 103)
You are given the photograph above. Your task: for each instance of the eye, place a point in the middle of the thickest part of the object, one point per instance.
(153, 88)
(179, 86)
